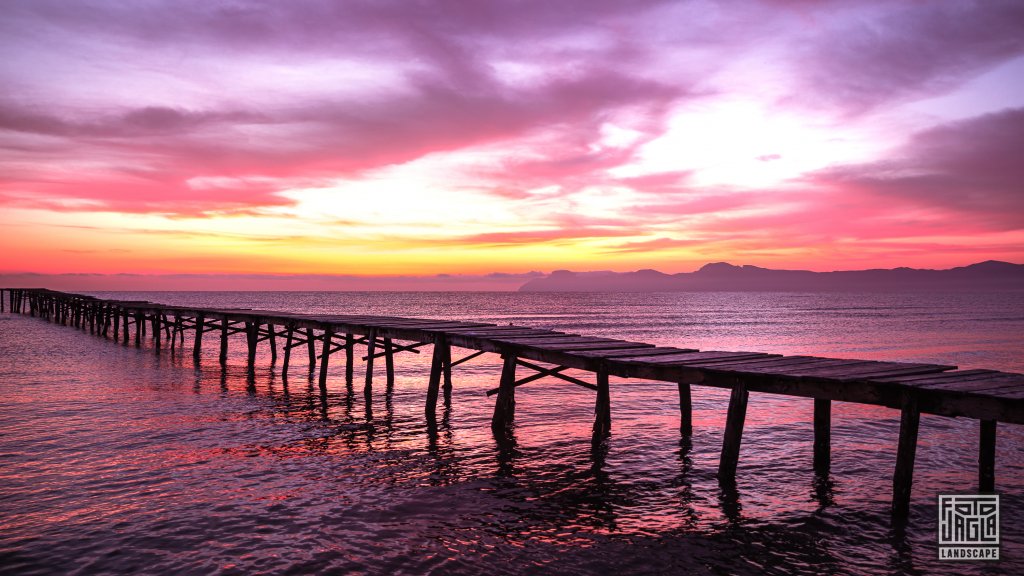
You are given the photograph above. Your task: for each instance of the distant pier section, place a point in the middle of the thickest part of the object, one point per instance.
(985, 395)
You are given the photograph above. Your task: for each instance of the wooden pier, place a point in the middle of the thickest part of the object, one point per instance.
(985, 395)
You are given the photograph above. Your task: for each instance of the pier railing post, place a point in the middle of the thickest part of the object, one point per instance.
(505, 407)
(685, 410)
(987, 457)
(733, 433)
(822, 435)
(906, 451)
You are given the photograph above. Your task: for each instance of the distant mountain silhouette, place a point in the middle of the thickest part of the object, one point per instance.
(721, 276)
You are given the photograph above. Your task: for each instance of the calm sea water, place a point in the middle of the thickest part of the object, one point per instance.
(116, 460)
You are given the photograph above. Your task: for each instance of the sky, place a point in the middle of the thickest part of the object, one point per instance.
(494, 140)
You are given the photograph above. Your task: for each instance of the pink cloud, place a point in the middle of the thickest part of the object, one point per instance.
(876, 57)
(969, 170)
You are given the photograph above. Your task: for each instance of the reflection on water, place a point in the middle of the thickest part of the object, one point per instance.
(117, 460)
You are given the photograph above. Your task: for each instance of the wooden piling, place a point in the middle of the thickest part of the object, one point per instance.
(505, 407)
(371, 344)
(252, 334)
(906, 451)
(389, 362)
(156, 331)
(447, 351)
(288, 335)
(987, 457)
(733, 434)
(124, 334)
(197, 342)
(602, 407)
(223, 357)
(822, 435)
(685, 410)
(272, 335)
(350, 347)
(115, 319)
(324, 359)
(139, 323)
(434, 382)
(311, 349)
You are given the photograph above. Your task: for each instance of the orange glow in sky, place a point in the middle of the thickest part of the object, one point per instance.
(383, 140)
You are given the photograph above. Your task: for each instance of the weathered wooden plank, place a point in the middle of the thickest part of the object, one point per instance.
(592, 346)
(685, 358)
(926, 378)
(763, 363)
(991, 381)
(632, 352)
(549, 339)
(858, 375)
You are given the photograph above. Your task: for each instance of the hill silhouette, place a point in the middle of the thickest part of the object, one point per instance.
(722, 276)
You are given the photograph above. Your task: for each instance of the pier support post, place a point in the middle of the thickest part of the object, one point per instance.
(603, 407)
(224, 341)
(987, 457)
(197, 342)
(252, 334)
(371, 346)
(447, 369)
(434, 383)
(733, 434)
(822, 435)
(124, 335)
(505, 407)
(685, 410)
(324, 357)
(139, 323)
(288, 332)
(906, 451)
(389, 362)
(350, 348)
(272, 335)
(156, 331)
(115, 319)
(311, 349)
